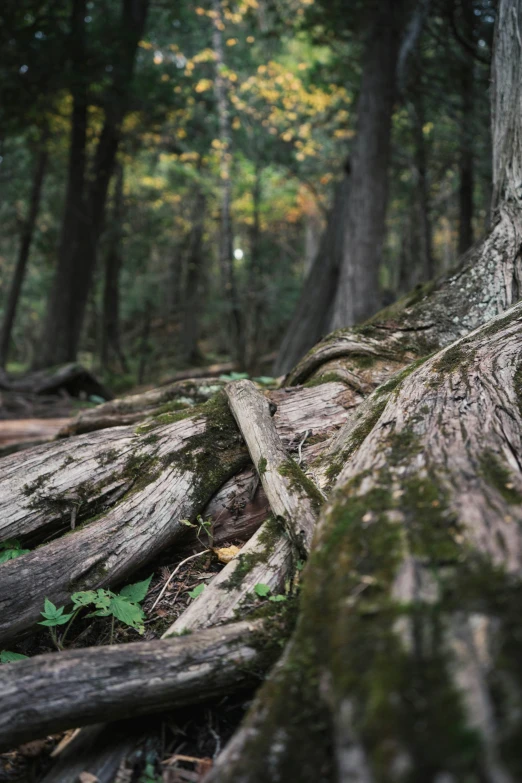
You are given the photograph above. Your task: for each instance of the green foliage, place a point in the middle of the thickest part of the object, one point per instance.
(53, 615)
(263, 591)
(9, 550)
(201, 526)
(196, 591)
(9, 657)
(123, 606)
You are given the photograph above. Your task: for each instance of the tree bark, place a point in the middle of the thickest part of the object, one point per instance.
(466, 155)
(226, 256)
(42, 157)
(357, 294)
(192, 301)
(111, 343)
(311, 317)
(80, 687)
(77, 258)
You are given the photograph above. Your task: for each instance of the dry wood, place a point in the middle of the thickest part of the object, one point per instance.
(267, 558)
(137, 407)
(80, 687)
(430, 605)
(144, 481)
(292, 497)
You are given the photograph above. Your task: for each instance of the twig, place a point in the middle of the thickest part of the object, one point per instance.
(173, 574)
(300, 459)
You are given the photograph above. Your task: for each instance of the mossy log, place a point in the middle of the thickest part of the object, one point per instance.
(125, 491)
(80, 687)
(293, 498)
(405, 664)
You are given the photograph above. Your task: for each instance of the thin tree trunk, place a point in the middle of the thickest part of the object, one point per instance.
(310, 320)
(466, 153)
(357, 295)
(226, 257)
(192, 301)
(111, 343)
(72, 283)
(423, 190)
(255, 280)
(15, 289)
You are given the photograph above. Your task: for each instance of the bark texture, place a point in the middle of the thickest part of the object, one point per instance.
(79, 687)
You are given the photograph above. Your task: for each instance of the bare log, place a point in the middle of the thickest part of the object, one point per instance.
(79, 687)
(293, 498)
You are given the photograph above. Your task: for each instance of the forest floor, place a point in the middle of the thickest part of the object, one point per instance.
(178, 747)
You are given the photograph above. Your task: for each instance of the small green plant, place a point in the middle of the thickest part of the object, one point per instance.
(265, 380)
(196, 591)
(6, 656)
(9, 550)
(201, 525)
(263, 592)
(123, 606)
(234, 376)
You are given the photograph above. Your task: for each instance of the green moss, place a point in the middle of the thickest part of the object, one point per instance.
(358, 435)
(271, 533)
(261, 466)
(301, 483)
(38, 484)
(452, 359)
(395, 381)
(172, 407)
(162, 419)
(328, 377)
(499, 477)
(404, 445)
(108, 456)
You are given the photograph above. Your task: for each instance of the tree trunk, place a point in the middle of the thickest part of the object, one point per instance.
(466, 156)
(311, 317)
(192, 301)
(234, 325)
(15, 289)
(77, 259)
(111, 344)
(405, 661)
(357, 293)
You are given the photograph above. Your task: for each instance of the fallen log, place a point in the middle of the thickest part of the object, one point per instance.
(80, 687)
(413, 586)
(167, 472)
(292, 496)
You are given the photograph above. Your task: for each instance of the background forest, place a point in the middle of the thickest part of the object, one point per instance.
(167, 171)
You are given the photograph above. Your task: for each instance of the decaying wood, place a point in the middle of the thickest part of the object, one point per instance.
(268, 558)
(292, 497)
(73, 379)
(80, 687)
(142, 480)
(97, 749)
(137, 407)
(420, 587)
(23, 430)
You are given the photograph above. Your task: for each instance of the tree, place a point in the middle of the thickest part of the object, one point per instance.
(404, 662)
(86, 195)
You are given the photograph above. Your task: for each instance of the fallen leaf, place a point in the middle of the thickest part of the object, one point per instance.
(227, 553)
(32, 749)
(88, 777)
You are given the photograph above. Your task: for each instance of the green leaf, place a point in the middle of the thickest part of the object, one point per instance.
(103, 599)
(11, 550)
(277, 598)
(96, 398)
(233, 376)
(52, 621)
(187, 523)
(136, 592)
(83, 598)
(196, 591)
(265, 380)
(261, 590)
(127, 612)
(8, 657)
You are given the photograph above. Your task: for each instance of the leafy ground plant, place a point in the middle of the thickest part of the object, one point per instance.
(9, 550)
(263, 591)
(123, 606)
(6, 656)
